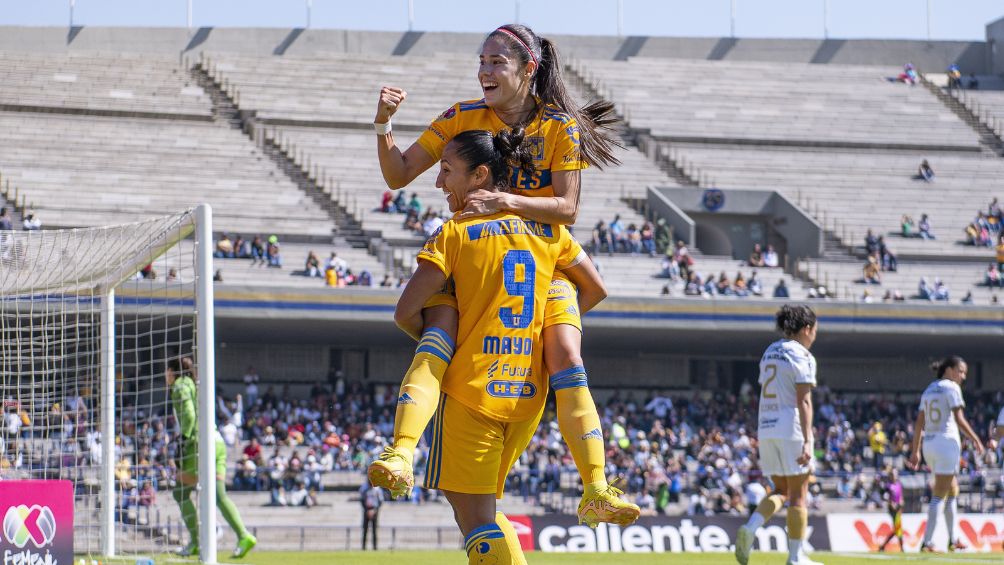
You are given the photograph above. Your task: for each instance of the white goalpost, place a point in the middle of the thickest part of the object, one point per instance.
(89, 319)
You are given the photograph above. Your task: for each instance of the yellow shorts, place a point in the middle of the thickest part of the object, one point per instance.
(562, 305)
(472, 453)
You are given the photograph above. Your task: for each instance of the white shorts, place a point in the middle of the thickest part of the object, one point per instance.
(779, 457)
(942, 454)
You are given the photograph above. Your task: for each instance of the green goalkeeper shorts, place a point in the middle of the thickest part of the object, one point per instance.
(188, 462)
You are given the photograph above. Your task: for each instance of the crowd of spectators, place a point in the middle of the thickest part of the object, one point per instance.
(260, 252)
(633, 239)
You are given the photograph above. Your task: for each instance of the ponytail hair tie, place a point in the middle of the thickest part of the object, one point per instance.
(508, 32)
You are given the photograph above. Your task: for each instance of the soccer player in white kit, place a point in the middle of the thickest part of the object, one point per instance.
(939, 420)
(787, 377)
(995, 437)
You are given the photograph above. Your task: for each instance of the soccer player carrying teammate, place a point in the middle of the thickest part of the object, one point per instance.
(940, 417)
(520, 75)
(894, 504)
(494, 390)
(787, 377)
(180, 378)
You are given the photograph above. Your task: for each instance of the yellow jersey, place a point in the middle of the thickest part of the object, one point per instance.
(553, 137)
(502, 267)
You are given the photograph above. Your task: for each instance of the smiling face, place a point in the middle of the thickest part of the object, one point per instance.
(456, 179)
(504, 79)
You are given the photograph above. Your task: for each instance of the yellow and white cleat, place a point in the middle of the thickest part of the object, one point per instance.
(606, 505)
(393, 472)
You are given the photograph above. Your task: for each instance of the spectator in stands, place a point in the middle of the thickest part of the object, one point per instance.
(889, 262)
(148, 272)
(739, 287)
(415, 204)
(781, 290)
(664, 236)
(925, 172)
(924, 290)
(878, 442)
(218, 276)
(968, 298)
(386, 282)
(756, 256)
(870, 272)
(601, 238)
(906, 226)
(871, 242)
(312, 267)
(994, 212)
(172, 275)
(387, 202)
(693, 286)
(1000, 254)
(413, 222)
(683, 259)
(940, 291)
(31, 222)
(954, 75)
(973, 83)
(257, 250)
(400, 203)
(224, 248)
(365, 279)
(770, 258)
(723, 287)
(754, 285)
(924, 227)
(617, 235)
(866, 297)
(909, 75)
(992, 277)
(272, 252)
(371, 498)
(633, 239)
(648, 238)
(337, 263)
(432, 223)
(893, 295)
(242, 249)
(6, 223)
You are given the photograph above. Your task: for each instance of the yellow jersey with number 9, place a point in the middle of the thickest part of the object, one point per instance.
(502, 267)
(553, 137)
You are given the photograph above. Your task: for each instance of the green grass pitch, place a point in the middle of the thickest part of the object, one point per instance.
(538, 558)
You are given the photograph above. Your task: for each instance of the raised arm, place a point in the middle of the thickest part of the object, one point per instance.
(398, 168)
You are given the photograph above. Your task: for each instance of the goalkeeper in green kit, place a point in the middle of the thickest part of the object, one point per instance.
(181, 381)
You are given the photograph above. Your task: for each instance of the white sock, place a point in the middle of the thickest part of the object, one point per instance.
(794, 550)
(755, 521)
(951, 505)
(933, 509)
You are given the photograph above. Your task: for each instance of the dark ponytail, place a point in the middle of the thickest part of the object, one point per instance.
(950, 362)
(595, 120)
(792, 318)
(501, 153)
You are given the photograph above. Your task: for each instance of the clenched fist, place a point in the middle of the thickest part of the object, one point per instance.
(391, 98)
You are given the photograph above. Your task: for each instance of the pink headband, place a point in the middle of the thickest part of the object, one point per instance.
(520, 41)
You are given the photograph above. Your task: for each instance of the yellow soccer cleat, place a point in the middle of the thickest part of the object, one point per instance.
(393, 472)
(606, 505)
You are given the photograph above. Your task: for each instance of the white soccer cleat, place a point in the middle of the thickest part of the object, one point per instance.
(744, 544)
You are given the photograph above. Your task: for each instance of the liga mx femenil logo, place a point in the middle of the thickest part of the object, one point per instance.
(22, 524)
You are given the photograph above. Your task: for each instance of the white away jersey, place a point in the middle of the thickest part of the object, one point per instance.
(937, 402)
(784, 364)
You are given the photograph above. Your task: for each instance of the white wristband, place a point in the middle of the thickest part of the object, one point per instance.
(382, 129)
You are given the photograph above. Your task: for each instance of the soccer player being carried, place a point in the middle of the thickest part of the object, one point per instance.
(180, 376)
(939, 420)
(787, 377)
(996, 436)
(520, 75)
(494, 389)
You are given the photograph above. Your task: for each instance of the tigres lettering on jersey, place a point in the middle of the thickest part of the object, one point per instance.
(502, 267)
(553, 137)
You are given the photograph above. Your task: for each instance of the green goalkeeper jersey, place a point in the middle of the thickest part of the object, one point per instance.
(183, 397)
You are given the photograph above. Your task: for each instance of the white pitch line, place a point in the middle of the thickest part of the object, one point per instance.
(938, 557)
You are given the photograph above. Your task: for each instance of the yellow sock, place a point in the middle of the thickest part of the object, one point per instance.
(511, 539)
(770, 505)
(580, 425)
(798, 522)
(419, 394)
(487, 545)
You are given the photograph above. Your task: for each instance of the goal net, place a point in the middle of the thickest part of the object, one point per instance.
(89, 320)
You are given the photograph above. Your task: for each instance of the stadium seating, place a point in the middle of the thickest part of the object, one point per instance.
(101, 82)
(843, 279)
(719, 100)
(91, 171)
(864, 190)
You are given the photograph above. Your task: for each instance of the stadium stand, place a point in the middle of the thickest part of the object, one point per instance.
(91, 171)
(121, 83)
